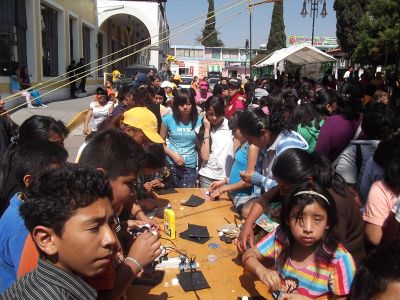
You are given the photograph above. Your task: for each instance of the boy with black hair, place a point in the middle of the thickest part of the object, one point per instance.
(119, 156)
(69, 215)
(29, 160)
(116, 154)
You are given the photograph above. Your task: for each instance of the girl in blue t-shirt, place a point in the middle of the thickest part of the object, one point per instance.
(178, 130)
(239, 191)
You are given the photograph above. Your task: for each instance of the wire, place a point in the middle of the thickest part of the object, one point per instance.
(109, 63)
(215, 30)
(42, 85)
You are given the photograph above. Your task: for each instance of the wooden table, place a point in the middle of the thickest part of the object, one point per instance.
(226, 276)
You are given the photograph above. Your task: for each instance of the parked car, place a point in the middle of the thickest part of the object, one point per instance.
(132, 71)
(186, 81)
(212, 82)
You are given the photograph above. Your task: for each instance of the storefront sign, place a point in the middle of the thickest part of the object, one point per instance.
(326, 42)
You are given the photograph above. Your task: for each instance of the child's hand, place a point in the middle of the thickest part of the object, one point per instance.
(246, 176)
(178, 160)
(146, 248)
(215, 194)
(246, 234)
(270, 278)
(132, 224)
(216, 184)
(206, 123)
(153, 224)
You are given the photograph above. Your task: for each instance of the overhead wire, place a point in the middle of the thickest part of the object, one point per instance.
(42, 85)
(95, 69)
(232, 17)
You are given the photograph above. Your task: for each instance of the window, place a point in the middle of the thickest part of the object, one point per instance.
(12, 35)
(216, 53)
(49, 41)
(86, 44)
(100, 53)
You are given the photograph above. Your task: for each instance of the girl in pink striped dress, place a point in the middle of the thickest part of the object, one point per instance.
(308, 262)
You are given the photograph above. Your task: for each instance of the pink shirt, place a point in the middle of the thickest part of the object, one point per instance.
(201, 97)
(379, 204)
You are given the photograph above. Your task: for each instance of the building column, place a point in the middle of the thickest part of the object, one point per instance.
(154, 58)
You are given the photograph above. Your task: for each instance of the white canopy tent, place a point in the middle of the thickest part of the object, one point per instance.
(297, 54)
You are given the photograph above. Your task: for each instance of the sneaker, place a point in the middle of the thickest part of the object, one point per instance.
(31, 106)
(42, 105)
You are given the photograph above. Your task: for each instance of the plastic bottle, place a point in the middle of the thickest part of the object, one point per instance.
(169, 222)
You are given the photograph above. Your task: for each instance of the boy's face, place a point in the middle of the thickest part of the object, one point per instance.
(88, 242)
(123, 190)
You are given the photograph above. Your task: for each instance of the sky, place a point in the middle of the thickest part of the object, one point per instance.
(235, 30)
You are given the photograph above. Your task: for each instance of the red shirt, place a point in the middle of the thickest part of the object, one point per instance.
(235, 103)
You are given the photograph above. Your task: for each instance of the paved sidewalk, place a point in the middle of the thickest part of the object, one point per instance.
(64, 111)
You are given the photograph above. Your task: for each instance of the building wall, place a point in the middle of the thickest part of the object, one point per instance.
(150, 15)
(84, 13)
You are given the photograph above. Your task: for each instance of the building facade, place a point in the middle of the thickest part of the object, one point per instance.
(45, 35)
(136, 30)
(199, 60)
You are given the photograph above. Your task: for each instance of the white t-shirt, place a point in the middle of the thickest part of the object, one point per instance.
(100, 113)
(219, 164)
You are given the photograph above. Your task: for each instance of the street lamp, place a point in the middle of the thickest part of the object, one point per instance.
(250, 7)
(314, 12)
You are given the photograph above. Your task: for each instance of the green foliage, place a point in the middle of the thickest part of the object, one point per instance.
(379, 33)
(348, 15)
(209, 34)
(277, 37)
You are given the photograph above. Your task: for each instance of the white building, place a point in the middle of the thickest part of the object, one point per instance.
(137, 24)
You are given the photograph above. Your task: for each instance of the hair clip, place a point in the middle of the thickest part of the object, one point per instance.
(313, 193)
(261, 124)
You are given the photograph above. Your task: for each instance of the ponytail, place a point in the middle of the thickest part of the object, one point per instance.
(327, 176)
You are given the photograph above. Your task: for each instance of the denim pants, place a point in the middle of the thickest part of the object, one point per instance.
(205, 182)
(183, 177)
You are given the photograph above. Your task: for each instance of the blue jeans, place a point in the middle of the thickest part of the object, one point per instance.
(35, 94)
(183, 177)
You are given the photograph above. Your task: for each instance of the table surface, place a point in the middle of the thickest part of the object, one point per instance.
(226, 276)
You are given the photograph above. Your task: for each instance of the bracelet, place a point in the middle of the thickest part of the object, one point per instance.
(134, 261)
(206, 137)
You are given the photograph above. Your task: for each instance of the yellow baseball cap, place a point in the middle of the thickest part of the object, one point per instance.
(144, 119)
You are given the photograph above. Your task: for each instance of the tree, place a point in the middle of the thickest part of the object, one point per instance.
(210, 34)
(379, 34)
(348, 16)
(277, 37)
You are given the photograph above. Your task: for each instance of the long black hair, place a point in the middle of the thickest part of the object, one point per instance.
(301, 196)
(35, 128)
(180, 98)
(380, 268)
(253, 121)
(217, 104)
(323, 98)
(297, 166)
(305, 115)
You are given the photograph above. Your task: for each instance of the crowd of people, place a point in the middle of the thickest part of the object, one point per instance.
(311, 167)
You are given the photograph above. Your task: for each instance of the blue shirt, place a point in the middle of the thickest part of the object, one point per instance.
(13, 234)
(182, 139)
(240, 164)
(14, 83)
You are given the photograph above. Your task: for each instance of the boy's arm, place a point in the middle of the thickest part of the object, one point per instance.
(138, 214)
(145, 249)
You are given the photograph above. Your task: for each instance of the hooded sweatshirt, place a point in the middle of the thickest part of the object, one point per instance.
(310, 134)
(262, 178)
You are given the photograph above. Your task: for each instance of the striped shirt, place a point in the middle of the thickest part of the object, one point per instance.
(48, 282)
(310, 281)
